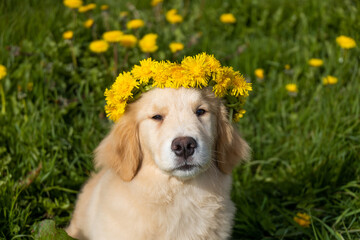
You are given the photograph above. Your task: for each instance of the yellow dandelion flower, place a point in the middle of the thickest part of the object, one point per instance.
(104, 7)
(223, 78)
(259, 73)
(220, 90)
(128, 40)
(156, 2)
(68, 35)
(287, 67)
(329, 80)
(315, 62)
(2, 71)
(91, 6)
(73, 3)
(148, 43)
(177, 76)
(124, 14)
(173, 17)
(112, 36)
(240, 86)
(115, 112)
(87, 7)
(88, 23)
(227, 18)
(123, 86)
(83, 9)
(176, 47)
(302, 219)
(134, 24)
(111, 98)
(345, 42)
(291, 88)
(161, 78)
(99, 46)
(197, 70)
(171, 12)
(145, 71)
(211, 62)
(239, 115)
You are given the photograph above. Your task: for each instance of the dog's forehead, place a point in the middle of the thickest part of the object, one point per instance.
(169, 97)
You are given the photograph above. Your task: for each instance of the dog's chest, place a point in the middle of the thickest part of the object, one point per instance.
(193, 214)
(186, 212)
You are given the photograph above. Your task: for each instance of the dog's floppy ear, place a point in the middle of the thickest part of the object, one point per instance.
(120, 150)
(231, 149)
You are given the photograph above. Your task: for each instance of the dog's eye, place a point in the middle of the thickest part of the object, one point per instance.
(200, 112)
(157, 117)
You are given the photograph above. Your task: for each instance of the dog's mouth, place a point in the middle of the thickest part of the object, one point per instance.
(186, 170)
(186, 167)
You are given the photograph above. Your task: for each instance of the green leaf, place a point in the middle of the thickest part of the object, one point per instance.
(46, 230)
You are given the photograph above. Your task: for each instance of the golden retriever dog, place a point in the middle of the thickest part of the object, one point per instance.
(165, 171)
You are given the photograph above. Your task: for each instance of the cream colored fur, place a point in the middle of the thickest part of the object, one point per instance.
(138, 194)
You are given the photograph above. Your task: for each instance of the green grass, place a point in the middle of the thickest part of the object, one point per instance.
(306, 149)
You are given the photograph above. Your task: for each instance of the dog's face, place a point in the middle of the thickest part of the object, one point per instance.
(178, 128)
(183, 131)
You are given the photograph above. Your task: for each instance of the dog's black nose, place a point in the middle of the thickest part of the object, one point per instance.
(183, 146)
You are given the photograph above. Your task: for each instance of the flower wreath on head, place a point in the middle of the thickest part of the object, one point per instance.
(200, 71)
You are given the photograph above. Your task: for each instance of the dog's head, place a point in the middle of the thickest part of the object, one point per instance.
(183, 131)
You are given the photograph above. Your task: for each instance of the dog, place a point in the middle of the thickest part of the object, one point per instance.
(165, 171)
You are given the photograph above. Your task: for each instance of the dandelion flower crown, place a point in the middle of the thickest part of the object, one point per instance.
(200, 71)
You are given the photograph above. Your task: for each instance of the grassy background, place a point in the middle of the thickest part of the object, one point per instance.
(306, 149)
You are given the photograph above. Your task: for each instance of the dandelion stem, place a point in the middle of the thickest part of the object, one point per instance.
(186, 7)
(93, 32)
(103, 59)
(115, 59)
(157, 10)
(25, 110)
(341, 58)
(74, 17)
(142, 89)
(3, 110)
(73, 54)
(233, 105)
(125, 58)
(106, 22)
(202, 5)
(344, 53)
